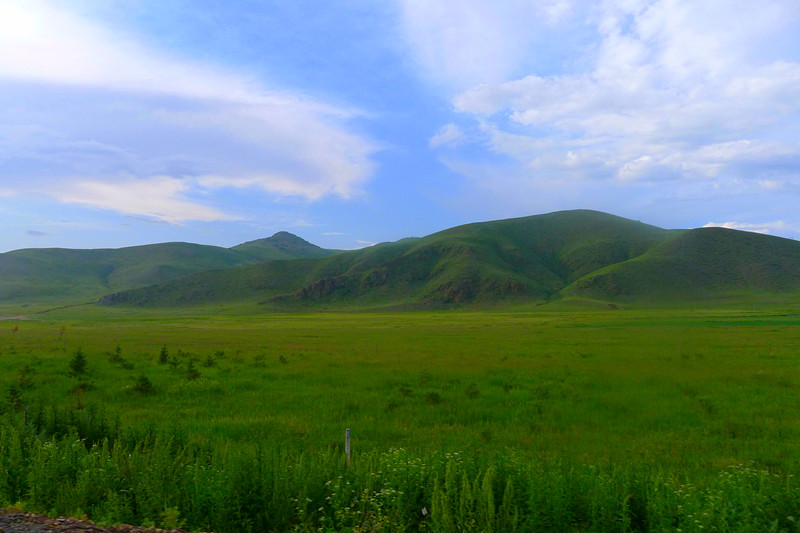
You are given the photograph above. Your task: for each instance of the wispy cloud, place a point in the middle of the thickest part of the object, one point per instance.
(449, 134)
(466, 42)
(161, 198)
(65, 75)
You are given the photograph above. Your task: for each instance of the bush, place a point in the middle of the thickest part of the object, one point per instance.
(433, 398)
(78, 365)
(163, 357)
(144, 386)
(191, 372)
(116, 357)
(15, 398)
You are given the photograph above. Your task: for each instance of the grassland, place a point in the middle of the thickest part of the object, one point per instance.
(565, 420)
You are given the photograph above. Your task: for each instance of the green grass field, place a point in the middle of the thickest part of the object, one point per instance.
(562, 420)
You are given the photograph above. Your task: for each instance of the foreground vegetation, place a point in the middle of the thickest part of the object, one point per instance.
(585, 421)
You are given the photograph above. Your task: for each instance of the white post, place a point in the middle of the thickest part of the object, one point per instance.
(347, 445)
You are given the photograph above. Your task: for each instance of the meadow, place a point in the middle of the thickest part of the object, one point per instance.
(560, 420)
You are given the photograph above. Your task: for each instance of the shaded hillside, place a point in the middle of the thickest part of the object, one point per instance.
(700, 264)
(35, 275)
(524, 259)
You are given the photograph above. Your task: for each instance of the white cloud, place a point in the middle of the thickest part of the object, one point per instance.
(283, 185)
(779, 227)
(556, 10)
(449, 134)
(673, 92)
(770, 185)
(466, 42)
(170, 117)
(161, 198)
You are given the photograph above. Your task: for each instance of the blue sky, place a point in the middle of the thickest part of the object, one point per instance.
(355, 122)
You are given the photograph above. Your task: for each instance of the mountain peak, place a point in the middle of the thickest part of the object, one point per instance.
(282, 245)
(282, 239)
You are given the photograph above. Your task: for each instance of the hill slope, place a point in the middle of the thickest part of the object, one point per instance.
(580, 254)
(60, 275)
(530, 259)
(700, 265)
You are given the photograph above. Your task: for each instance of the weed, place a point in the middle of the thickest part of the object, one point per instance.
(191, 372)
(14, 398)
(24, 380)
(163, 356)
(144, 386)
(116, 357)
(706, 405)
(171, 518)
(424, 378)
(472, 391)
(78, 366)
(433, 398)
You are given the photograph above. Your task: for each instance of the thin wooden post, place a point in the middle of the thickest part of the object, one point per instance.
(347, 445)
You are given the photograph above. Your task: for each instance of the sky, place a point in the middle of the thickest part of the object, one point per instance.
(349, 123)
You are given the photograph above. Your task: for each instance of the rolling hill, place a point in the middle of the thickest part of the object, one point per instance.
(703, 264)
(55, 275)
(574, 255)
(580, 254)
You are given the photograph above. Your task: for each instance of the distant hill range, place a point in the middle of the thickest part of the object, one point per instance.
(580, 255)
(62, 275)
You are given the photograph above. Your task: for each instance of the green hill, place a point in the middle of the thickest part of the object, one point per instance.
(575, 255)
(523, 260)
(702, 264)
(37, 276)
(282, 245)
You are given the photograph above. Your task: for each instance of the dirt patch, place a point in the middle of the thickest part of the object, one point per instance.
(13, 521)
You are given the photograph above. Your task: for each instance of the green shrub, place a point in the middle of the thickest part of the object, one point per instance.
(144, 386)
(163, 356)
(78, 366)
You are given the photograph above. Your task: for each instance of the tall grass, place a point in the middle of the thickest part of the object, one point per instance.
(62, 468)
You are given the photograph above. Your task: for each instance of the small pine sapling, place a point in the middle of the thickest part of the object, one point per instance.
(78, 365)
(144, 386)
(191, 372)
(116, 357)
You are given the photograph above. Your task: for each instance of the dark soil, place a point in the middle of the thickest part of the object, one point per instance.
(13, 521)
